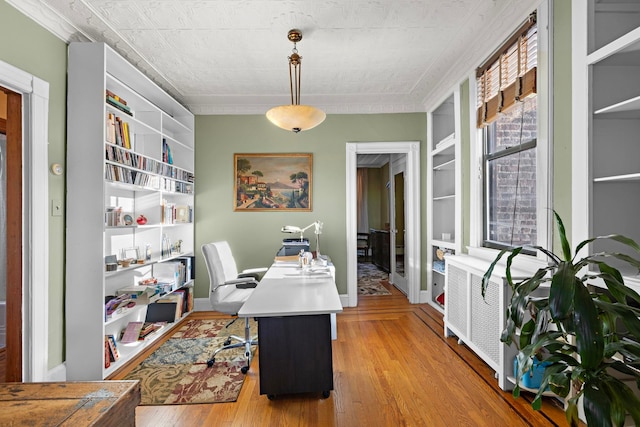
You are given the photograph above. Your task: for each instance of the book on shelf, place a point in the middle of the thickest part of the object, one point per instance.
(148, 328)
(114, 355)
(107, 356)
(167, 157)
(114, 96)
(131, 332)
(117, 102)
(111, 128)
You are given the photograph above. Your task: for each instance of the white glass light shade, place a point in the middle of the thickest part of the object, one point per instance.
(296, 117)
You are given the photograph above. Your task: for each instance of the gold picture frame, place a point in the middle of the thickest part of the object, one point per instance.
(272, 182)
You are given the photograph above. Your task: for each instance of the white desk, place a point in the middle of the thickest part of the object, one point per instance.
(287, 291)
(294, 329)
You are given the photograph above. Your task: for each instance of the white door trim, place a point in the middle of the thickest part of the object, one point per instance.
(35, 233)
(412, 212)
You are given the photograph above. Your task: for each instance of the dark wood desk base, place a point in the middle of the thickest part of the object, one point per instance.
(97, 403)
(295, 355)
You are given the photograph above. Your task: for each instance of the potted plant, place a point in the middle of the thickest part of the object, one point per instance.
(587, 338)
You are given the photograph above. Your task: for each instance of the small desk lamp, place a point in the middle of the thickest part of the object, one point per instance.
(317, 232)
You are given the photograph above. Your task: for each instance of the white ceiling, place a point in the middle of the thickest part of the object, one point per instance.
(230, 56)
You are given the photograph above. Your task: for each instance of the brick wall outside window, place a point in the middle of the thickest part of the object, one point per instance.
(511, 180)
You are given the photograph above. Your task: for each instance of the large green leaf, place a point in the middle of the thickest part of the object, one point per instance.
(563, 284)
(589, 339)
(571, 414)
(566, 249)
(487, 275)
(623, 400)
(597, 406)
(627, 314)
(526, 332)
(615, 284)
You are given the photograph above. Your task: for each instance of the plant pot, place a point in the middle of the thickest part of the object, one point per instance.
(533, 378)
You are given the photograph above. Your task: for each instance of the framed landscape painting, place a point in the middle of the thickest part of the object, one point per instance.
(278, 181)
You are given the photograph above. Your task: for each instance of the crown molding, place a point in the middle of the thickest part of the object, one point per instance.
(47, 18)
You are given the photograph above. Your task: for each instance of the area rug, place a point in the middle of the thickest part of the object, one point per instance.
(370, 280)
(177, 372)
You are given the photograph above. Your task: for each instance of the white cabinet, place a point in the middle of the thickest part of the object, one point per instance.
(443, 192)
(110, 183)
(606, 121)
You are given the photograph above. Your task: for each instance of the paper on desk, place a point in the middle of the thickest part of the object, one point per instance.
(309, 273)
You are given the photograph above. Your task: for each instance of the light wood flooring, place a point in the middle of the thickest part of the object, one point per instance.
(392, 367)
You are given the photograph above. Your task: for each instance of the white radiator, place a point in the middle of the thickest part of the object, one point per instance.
(478, 322)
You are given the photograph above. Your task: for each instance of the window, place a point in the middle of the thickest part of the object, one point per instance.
(510, 177)
(507, 118)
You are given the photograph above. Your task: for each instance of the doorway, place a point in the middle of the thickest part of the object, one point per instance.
(410, 151)
(33, 221)
(10, 236)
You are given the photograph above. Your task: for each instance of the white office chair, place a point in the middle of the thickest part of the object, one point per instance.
(228, 292)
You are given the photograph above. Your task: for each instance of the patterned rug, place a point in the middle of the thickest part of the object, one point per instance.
(177, 373)
(370, 278)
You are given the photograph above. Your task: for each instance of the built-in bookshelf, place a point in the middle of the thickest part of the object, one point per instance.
(605, 128)
(443, 193)
(130, 197)
(606, 123)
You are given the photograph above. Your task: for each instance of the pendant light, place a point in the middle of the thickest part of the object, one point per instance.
(295, 117)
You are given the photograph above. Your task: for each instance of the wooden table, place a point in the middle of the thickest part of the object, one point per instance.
(294, 329)
(97, 403)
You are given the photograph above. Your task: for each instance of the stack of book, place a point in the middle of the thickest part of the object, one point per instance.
(117, 102)
(148, 328)
(139, 331)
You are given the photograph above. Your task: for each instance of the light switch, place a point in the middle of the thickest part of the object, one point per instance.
(56, 207)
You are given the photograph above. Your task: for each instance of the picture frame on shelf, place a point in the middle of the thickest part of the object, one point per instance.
(131, 253)
(273, 182)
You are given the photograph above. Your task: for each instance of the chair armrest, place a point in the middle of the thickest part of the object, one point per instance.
(253, 272)
(242, 282)
(247, 285)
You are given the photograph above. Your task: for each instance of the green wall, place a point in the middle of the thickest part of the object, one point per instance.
(28, 46)
(255, 236)
(561, 185)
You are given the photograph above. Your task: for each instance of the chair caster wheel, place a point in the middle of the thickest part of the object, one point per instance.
(244, 369)
(271, 396)
(227, 342)
(326, 394)
(210, 362)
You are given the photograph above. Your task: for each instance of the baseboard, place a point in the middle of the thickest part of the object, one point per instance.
(201, 304)
(424, 297)
(57, 374)
(344, 300)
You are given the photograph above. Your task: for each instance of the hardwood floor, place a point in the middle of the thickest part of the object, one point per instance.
(392, 367)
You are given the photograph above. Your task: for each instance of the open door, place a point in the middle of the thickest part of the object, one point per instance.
(10, 236)
(398, 219)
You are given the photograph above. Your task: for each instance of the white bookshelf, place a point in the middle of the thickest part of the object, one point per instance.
(443, 191)
(102, 175)
(606, 120)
